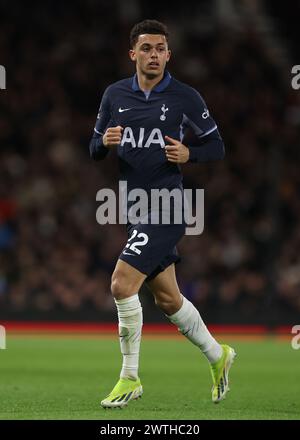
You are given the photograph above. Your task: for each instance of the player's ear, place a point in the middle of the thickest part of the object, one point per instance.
(168, 55)
(132, 55)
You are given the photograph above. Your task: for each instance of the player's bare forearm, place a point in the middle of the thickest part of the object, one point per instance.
(176, 152)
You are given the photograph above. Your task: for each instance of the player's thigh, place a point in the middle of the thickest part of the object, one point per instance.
(126, 280)
(165, 290)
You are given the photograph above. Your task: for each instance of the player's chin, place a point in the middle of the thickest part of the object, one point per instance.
(153, 73)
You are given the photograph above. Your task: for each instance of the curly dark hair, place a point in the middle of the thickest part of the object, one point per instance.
(147, 27)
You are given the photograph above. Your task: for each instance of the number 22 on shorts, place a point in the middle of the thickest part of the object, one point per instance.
(134, 245)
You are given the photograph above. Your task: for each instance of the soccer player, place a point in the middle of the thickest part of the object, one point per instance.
(145, 118)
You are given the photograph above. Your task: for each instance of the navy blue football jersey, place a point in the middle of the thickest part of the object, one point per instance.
(171, 108)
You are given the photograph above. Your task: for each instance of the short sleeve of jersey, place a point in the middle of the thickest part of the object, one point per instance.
(196, 114)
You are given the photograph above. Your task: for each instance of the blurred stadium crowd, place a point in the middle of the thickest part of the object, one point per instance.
(55, 260)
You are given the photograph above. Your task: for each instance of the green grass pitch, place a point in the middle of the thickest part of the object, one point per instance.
(66, 378)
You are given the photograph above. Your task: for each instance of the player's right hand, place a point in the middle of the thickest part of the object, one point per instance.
(112, 137)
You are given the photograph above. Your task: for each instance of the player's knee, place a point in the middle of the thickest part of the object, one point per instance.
(117, 288)
(120, 286)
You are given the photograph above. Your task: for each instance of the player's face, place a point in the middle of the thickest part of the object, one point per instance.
(151, 54)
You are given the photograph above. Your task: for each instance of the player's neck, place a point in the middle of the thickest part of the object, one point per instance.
(146, 83)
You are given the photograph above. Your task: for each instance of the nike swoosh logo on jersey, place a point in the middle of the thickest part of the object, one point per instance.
(128, 253)
(123, 109)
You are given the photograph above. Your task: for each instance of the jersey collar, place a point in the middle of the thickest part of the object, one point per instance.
(160, 87)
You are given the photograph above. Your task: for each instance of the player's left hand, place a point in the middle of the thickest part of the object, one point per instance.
(176, 152)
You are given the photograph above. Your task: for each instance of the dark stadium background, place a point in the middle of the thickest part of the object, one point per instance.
(55, 260)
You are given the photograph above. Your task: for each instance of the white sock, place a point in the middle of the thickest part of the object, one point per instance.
(190, 324)
(130, 330)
